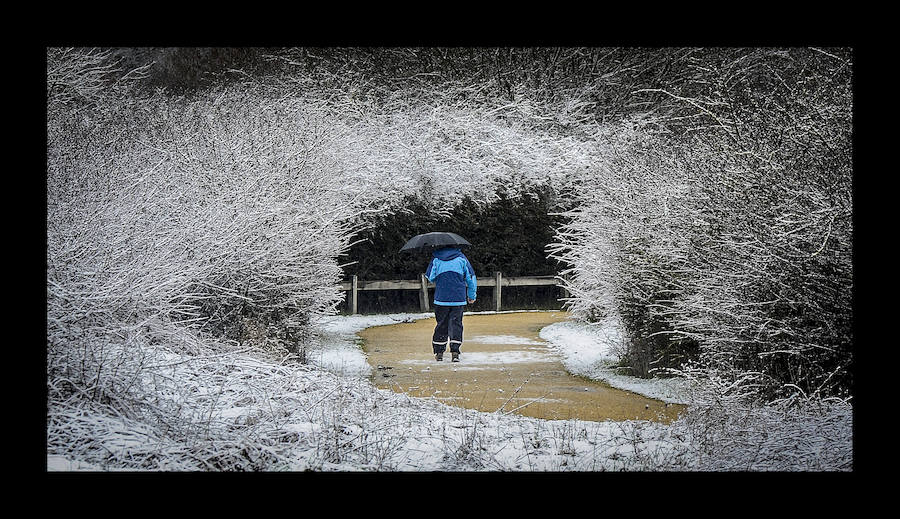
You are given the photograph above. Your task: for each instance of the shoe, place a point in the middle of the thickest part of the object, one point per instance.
(455, 357)
(439, 356)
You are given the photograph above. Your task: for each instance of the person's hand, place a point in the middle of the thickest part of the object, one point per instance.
(470, 300)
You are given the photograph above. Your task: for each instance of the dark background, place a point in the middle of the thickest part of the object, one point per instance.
(509, 235)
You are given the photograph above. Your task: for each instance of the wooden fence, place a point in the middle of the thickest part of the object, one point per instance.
(498, 281)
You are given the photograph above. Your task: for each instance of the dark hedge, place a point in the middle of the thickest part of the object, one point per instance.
(509, 235)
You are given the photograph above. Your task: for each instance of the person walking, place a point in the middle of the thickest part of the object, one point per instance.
(454, 286)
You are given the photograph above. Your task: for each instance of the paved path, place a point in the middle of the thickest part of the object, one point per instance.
(504, 366)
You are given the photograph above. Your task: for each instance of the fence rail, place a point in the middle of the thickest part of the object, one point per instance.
(498, 281)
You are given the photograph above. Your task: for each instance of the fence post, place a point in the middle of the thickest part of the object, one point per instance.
(353, 293)
(423, 293)
(498, 277)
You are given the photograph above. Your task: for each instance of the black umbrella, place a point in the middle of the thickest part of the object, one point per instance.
(434, 240)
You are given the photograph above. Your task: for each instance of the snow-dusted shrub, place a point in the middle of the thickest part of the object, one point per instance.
(440, 145)
(727, 428)
(203, 210)
(77, 77)
(729, 225)
(186, 225)
(774, 291)
(627, 243)
(215, 411)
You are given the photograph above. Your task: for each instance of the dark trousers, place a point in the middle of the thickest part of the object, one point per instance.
(449, 326)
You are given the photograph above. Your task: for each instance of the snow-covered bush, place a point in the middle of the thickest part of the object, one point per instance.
(185, 225)
(444, 144)
(626, 243)
(78, 77)
(728, 225)
(197, 209)
(727, 428)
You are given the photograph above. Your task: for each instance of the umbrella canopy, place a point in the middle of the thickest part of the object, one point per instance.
(434, 240)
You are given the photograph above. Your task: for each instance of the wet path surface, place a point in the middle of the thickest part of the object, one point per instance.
(504, 366)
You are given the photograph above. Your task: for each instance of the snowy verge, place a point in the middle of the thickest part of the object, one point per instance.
(337, 350)
(591, 350)
(63, 464)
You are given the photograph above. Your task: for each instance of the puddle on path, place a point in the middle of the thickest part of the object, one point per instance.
(504, 366)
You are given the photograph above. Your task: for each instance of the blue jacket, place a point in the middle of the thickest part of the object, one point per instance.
(453, 277)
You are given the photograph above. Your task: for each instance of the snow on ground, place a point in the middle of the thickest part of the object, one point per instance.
(590, 350)
(337, 350)
(486, 360)
(501, 339)
(60, 463)
(315, 419)
(342, 423)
